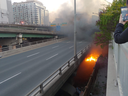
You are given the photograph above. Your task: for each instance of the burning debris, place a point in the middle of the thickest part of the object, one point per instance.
(86, 68)
(92, 59)
(84, 72)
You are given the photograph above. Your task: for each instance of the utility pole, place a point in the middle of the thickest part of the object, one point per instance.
(75, 46)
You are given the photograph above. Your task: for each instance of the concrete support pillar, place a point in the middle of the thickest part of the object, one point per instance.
(19, 38)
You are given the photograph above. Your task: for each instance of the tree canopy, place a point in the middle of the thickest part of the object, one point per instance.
(108, 19)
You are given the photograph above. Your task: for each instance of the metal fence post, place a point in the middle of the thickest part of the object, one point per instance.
(41, 89)
(75, 58)
(68, 64)
(60, 73)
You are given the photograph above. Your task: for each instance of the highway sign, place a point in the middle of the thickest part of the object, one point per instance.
(58, 28)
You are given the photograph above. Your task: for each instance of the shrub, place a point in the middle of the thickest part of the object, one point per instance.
(108, 19)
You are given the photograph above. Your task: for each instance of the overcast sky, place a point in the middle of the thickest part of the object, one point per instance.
(51, 5)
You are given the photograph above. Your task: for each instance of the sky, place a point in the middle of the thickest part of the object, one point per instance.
(51, 5)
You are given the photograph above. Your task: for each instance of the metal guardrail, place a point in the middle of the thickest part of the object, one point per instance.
(121, 62)
(39, 89)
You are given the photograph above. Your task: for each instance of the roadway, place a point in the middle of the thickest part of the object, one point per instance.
(20, 73)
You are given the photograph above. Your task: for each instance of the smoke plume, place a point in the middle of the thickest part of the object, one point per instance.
(85, 22)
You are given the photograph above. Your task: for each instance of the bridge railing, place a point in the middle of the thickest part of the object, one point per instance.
(121, 62)
(40, 89)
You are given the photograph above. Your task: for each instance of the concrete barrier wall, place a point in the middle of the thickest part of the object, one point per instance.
(28, 48)
(121, 63)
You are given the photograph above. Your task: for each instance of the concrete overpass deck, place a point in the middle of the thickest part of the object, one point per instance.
(28, 27)
(22, 72)
(13, 30)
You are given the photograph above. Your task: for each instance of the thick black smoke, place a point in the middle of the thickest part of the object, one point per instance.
(85, 22)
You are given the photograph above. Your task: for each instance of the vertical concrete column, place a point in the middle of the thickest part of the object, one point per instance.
(19, 37)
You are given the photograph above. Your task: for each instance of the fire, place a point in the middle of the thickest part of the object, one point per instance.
(91, 59)
(86, 67)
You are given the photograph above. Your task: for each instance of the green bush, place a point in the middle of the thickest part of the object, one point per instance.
(108, 19)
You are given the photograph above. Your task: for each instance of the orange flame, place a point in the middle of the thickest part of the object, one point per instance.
(86, 67)
(91, 58)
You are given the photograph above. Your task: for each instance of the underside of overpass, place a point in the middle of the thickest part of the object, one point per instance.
(11, 38)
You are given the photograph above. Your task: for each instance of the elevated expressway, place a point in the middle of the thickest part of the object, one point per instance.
(26, 31)
(21, 73)
(13, 34)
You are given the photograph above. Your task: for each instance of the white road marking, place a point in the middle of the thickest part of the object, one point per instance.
(55, 47)
(10, 78)
(52, 56)
(70, 47)
(80, 42)
(33, 54)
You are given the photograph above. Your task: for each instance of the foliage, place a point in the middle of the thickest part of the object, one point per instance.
(108, 19)
(102, 38)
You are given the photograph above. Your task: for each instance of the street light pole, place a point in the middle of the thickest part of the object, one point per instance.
(75, 47)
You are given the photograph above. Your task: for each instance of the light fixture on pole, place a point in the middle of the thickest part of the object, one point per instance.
(75, 47)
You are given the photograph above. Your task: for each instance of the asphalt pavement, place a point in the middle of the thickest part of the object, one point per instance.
(20, 73)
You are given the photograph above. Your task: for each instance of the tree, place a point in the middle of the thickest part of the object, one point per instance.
(108, 19)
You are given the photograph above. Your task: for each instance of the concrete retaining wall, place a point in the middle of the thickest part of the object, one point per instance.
(28, 48)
